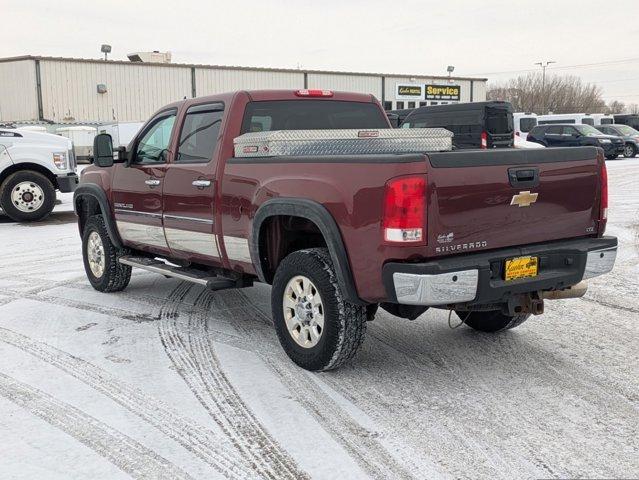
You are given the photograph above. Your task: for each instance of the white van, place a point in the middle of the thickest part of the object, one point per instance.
(583, 118)
(524, 123)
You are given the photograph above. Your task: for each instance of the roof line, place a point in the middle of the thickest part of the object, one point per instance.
(233, 67)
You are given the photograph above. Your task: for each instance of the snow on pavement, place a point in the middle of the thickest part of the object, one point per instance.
(168, 380)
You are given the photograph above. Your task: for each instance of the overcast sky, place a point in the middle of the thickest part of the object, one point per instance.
(478, 37)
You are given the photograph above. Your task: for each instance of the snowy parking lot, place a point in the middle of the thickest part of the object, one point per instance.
(169, 380)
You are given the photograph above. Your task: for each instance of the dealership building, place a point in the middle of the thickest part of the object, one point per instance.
(70, 90)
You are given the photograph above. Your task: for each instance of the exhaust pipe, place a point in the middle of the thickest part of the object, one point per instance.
(575, 291)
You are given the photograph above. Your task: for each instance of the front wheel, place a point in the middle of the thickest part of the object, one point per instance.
(27, 196)
(491, 321)
(100, 256)
(630, 150)
(316, 326)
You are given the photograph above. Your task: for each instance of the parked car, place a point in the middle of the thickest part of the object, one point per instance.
(520, 143)
(575, 118)
(33, 165)
(474, 125)
(632, 120)
(577, 136)
(310, 191)
(629, 135)
(523, 123)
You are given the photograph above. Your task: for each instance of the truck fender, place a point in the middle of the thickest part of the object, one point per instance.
(91, 190)
(320, 216)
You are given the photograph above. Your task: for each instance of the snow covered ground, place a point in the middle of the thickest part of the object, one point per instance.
(167, 380)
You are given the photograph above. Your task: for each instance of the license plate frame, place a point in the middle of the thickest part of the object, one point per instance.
(521, 267)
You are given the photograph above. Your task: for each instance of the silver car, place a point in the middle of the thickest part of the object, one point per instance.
(629, 135)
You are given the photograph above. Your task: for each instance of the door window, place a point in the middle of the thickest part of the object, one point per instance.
(200, 133)
(558, 130)
(153, 145)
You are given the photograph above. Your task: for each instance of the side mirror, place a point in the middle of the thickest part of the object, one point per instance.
(103, 150)
(121, 155)
(393, 118)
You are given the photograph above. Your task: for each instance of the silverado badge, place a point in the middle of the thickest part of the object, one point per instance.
(524, 199)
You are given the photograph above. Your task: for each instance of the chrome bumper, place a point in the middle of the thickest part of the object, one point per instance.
(437, 289)
(600, 262)
(462, 286)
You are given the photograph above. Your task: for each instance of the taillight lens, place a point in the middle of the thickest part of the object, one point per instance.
(603, 178)
(484, 140)
(405, 210)
(314, 93)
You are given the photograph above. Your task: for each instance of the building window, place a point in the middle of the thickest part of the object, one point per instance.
(444, 103)
(423, 104)
(433, 103)
(411, 104)
(400, 105)
(388, 105)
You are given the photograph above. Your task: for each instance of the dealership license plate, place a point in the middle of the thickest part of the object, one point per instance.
(521, 267)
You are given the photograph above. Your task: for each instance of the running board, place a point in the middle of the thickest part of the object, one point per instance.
(211, 282)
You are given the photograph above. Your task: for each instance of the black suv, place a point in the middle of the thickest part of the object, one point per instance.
(567, 135)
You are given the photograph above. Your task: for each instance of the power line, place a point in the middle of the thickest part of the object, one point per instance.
(564, 67)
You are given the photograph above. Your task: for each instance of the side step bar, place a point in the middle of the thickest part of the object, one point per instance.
(211, 282)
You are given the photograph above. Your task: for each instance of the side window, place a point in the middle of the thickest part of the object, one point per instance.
(554, 130)
(199, 134)
(588, 121)
(153, 145)
(568, 131)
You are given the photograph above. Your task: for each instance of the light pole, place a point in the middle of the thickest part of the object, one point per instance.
(543, 66)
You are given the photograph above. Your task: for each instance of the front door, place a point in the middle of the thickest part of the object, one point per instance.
(137, 187)
(190, 187)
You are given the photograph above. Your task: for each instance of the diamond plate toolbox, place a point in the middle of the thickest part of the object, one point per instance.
(342, 142)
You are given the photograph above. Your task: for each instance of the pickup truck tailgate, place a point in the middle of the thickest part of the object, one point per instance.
(479, 200)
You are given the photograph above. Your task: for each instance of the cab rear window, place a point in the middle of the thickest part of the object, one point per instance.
(311, 115)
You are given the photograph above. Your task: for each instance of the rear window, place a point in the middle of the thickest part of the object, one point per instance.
(527, 124)
(498, 121)
(311, 115)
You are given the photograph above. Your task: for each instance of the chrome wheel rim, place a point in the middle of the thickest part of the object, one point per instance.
(303, 311)
(95, 254)
(628, 151)
(27, 196)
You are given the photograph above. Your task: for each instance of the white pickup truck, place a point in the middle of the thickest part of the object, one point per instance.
(33, 166)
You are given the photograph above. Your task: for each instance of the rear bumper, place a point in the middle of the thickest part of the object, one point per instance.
(478, 278)
(67, 183)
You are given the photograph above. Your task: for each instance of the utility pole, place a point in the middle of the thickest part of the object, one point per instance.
(543, 66)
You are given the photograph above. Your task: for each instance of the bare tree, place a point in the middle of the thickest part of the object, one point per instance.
(633, 108)
(563, 94)
(615, 107)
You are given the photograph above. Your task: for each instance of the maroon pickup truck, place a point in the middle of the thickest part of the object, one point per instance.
(487, 234)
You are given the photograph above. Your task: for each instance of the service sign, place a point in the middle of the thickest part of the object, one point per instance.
(443, 92)
(409, 92)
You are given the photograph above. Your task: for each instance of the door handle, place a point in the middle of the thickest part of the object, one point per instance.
(152, 182)
(201, 183)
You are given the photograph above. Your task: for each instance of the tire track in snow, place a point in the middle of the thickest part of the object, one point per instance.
(193, 356)
(207, 445)
(122, 451)
(361, 444)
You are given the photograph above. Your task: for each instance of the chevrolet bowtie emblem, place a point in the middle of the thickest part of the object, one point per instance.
(524, 199)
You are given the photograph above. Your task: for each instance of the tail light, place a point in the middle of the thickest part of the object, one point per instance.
(314, 93)
(405, 210)
(518, 134)
(603, 212)
(484, 139)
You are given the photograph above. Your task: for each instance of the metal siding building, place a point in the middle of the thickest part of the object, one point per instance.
(65, 90)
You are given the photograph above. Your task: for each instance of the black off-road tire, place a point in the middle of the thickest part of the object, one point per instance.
(12, 181)
(492, 321)
(344, 322)
(630, 150)
(116, 276)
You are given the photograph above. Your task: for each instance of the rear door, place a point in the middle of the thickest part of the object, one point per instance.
(500, 198)
(499, 127)
(554, 136)
(190, 186)
(137, 187)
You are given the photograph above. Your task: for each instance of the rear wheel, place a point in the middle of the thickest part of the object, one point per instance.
(491, 321)
(100, 256)
(611, 157)
(630, 150)
(27, 196)
(316, 326)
